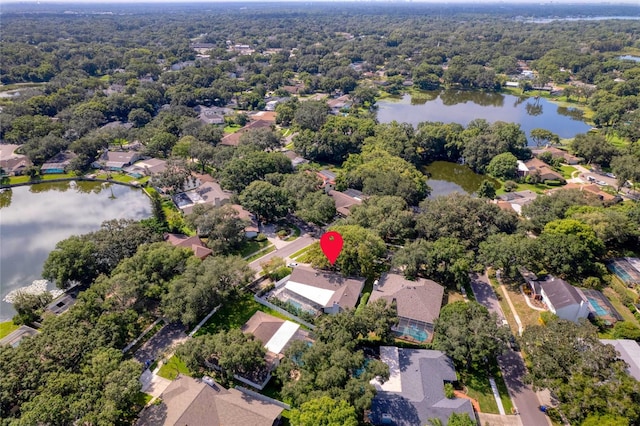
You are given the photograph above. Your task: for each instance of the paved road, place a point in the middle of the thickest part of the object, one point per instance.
(511, 363)
(283, 252)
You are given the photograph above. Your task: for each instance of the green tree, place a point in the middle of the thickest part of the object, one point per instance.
(460, 419)
(261, 139)
(324, 411)
(445, 260)
(203, 286)
(388, 215)
(316, 207)
(240, 171)
(222, 226)
(503, 166)
(626, 330)
(487, 190)
(266, 201)
(362, 253)
(458, 216)
(626, 168)
(311, 115)
(29, 306)
(543, 136)
(72, 260)
(469, 334)
(605, 420)
(232, 351)
(547, 208)
(594, 148)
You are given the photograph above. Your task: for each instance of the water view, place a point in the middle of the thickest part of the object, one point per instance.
(458, 106)
(446, 178)
(34, 218)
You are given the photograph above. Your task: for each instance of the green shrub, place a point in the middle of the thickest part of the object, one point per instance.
(448, 390)
(261, 237)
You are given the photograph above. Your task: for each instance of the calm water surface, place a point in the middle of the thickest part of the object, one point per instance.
(458, 106)
(446, 178)
(34, 218)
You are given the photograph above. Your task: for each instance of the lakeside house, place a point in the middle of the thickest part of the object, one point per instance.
(189, 401)
(207, 193)
(414, 393)
(116, 160)
(14, 338)
(58, 164)
(558, 153)
(538, 169)
(148, 167)
(417, 302)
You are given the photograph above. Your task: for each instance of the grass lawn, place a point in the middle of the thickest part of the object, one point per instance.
(142, 399)
(567, 171)
(538, 188)
(300, 252)
(502, 389)
(252, 246)
(232, 128)
(453, 296)
(235, 314)
(478, 388)
(6, 328)
(622, 309)
(260, 254)
(171, 369)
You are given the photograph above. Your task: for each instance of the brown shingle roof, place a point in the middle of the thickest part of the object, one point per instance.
(419, 300)
(234, 138)
(344, 202)
(189, 402)
(194, 243)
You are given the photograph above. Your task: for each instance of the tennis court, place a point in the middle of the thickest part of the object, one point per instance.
(627, 269)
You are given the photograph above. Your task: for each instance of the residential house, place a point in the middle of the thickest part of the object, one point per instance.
(276, 335)
(629, 351)
(15, 337)
(414, 393)
(148, 167)
(592, 189)
(417, 302)
(11, 163)
(252, 229)
(338, 104)
(211, 115)
(59, 163)
(296, 160)
(346, 200)
(116, 160)
(319, 291)
(328, 179)
(269, 116)
(538, 168)
(233, 139)
(563, 299)
(194, 243)
(189, 402)
(558, 153)
(518, 199)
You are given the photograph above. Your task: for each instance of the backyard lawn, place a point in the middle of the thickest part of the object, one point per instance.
(235, 314)
(251, 246)
(172, 367)
(6, 328)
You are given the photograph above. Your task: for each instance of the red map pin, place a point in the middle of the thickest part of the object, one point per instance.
(331, 245)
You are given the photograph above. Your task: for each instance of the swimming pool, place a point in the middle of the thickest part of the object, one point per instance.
(413, 333)
(624, 276)
(600, 311)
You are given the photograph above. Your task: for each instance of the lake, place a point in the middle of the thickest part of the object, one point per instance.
(34, 218)
(460, 106)
(446, 178)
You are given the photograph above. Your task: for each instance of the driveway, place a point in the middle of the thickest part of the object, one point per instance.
(511, 363)
(169, 336)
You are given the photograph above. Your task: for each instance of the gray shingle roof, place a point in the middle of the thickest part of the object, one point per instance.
(415, 392)
(560, 293)
(419, 300)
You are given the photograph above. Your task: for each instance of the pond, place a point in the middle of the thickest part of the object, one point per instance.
(34, 218)
(629, 58)
(446, 178)
(460, 106)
